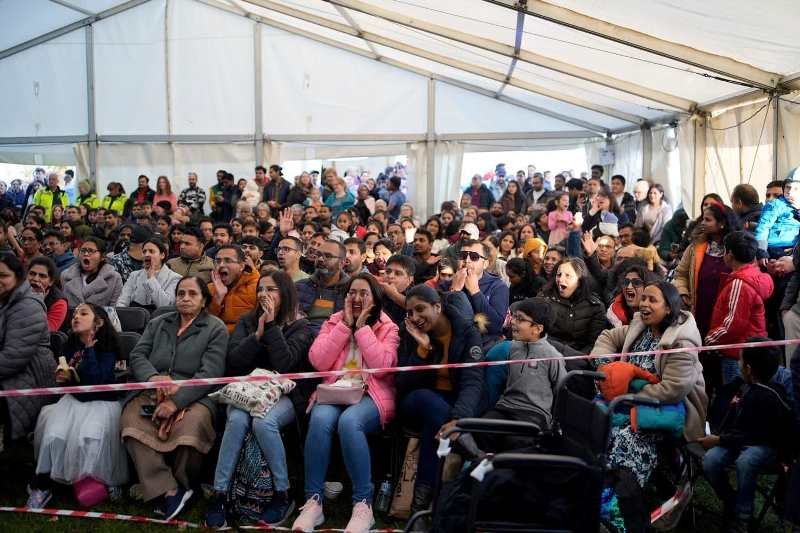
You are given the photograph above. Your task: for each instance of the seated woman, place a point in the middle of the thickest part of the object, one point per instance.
(659, 324)
(44, 279)
(275, 337)
(154, 285)
(26, 361)
(78, 437)
(437, 330)
(185, 344)
(91, 280)
(359, 336)
(523, 282)
(632, 277)
(580, 314)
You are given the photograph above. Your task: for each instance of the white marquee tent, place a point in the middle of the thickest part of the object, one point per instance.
(167, 86)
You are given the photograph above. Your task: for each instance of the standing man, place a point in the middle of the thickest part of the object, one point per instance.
(50, 196)
(215, 196)
(624, 199)
(193, 196)
(396, 198)
(538, 194)
(481, 196)
(779, 226)
(276, 191)
(142, 195)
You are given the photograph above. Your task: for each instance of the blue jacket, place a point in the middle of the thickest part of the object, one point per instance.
(468, 383)
(778, 226)
(492, 300)
(310, 290)
(65, 261)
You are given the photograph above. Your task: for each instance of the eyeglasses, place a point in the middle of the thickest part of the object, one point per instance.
(521, 318)
(635, 282)
(28, 239)
(88, 251)
(267, 289)
(286, 249)
(225, 261)
(473, 256)
(327, 256)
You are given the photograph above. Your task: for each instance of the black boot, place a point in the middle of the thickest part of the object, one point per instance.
(423, 495)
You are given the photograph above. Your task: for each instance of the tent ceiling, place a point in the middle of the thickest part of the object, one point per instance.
(609, 65)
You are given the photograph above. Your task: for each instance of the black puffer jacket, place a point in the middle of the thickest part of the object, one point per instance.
(280, 349)
(465, 347)
(578, 320)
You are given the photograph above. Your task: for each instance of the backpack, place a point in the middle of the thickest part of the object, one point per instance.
(251, 488)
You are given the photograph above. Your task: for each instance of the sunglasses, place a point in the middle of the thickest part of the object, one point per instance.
(635, 282)
(473, 256)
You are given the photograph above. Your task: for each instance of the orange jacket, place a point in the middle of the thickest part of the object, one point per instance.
(240, 299)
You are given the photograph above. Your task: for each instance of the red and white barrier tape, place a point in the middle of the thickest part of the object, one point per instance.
(146, 520)
(198, 382)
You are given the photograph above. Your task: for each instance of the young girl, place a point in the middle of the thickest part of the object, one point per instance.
(78, 437)
(559, 220)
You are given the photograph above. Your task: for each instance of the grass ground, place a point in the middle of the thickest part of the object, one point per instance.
(16, 466)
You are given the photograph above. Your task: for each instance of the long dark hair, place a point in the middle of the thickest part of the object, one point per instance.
(613, 206)
(377, 295)
(106, 335)
(287, 311)
(584, 290)
(439, 234)
(14, 265)
(723, 215)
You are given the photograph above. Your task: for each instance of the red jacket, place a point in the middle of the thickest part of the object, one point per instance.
(739, 311)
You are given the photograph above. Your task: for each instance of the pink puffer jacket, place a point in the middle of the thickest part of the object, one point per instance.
(378, 346)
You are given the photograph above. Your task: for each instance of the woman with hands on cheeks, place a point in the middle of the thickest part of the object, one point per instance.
(361, 336)
(273, 337)
(438, 329)
(189, 343)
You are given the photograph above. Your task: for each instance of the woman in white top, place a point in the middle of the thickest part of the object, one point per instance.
(154, 285)
(655, 213)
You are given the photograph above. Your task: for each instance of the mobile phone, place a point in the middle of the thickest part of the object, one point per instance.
(147, 411)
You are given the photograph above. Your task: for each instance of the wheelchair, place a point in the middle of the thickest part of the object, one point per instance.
(556, 484)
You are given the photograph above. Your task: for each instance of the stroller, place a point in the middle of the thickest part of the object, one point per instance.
(554, 485)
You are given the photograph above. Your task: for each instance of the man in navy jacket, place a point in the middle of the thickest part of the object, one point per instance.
(487, 294)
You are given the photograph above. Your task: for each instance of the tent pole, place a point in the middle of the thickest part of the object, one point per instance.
(258, 96)
(430, 150)
(647, 151)
(776, 120)
(90, 107)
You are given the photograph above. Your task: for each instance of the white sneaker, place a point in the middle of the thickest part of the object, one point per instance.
(361, 521)
(310, 516)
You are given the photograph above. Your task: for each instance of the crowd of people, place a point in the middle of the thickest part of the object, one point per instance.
(294, 275)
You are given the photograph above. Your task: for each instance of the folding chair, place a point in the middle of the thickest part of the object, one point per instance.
(133, 318)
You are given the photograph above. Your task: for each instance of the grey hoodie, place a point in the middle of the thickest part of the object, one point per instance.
(531, 386)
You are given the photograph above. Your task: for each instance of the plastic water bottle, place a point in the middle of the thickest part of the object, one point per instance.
(384, 498)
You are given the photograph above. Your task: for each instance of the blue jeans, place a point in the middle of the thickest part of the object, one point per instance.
(426, 410)
(352, 423)
(730, 369)
(267, 431)
(749, 463)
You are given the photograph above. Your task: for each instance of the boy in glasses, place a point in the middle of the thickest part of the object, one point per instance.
(486, 292)
(529, 386)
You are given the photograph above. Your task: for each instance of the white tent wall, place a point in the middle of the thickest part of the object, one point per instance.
(311, 88)
(44, 89)
(38, 154)
(789, 134)
(627, 156)
(739, 150)
(211, 70)
(130, 72)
